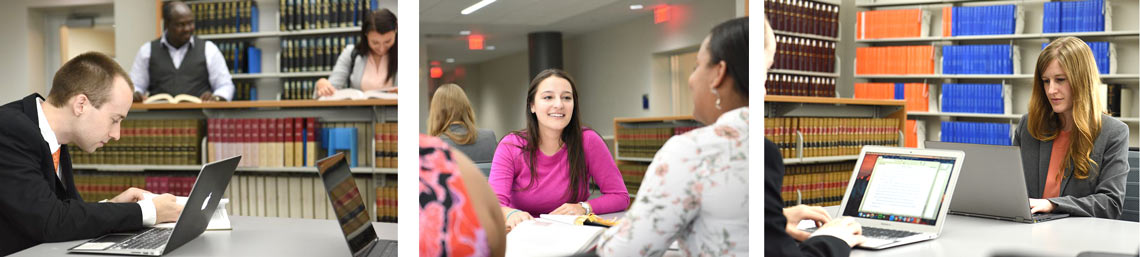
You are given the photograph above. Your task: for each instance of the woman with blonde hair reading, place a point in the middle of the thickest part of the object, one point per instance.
(451, 118)
(1073, 153)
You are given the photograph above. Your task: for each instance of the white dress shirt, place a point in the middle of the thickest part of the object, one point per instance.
(147, 206)
(221, 82)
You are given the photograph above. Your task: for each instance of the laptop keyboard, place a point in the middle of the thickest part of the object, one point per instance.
(150, 239)
(389, 248)
(877, 232)
(886, 233)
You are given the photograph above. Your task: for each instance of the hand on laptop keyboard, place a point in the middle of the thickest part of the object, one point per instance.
(844, 228)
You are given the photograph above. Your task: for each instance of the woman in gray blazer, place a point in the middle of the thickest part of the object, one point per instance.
(371, 63)
(451, 118)
(1073, 154)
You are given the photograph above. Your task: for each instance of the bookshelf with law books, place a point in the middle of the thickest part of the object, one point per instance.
(818, 130)
(819, 139)
(983, 55)
(162, 146)
(636, 141)
(280, 47)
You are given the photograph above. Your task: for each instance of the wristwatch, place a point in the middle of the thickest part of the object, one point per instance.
(586, 206)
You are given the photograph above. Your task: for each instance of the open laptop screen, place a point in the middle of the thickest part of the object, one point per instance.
(900, 187)
(346, 202)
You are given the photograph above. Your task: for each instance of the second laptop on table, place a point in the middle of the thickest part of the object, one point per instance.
(993, 184)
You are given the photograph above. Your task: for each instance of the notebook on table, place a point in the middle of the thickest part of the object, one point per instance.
(551, 237)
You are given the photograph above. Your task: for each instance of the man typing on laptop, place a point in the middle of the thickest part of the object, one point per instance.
(89, 97)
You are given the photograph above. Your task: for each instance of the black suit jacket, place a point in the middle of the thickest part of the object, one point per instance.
(35, 206)
(777, 242)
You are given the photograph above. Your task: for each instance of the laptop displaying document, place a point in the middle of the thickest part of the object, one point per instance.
(208, 190)
(901, 195)
(993, 184)
(350, 209)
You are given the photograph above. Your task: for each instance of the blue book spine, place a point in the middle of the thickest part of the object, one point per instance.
(1008, 59)
(1086, 15)
(253, 18)
(1065, 11)
(254, 60)
(900, 91)
(1100, 18)
(946, 131)
(956, 21)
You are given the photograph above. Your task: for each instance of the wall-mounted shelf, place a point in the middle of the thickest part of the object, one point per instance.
(1132, 33)
(1109, 77)
(282, 75)
(967, 115)
(279, 33)
(824, 159)
(142, 168)
(830, 100)
(633, 159)
(805, 73)
(811, 36)
(921, 2)
(264, 104)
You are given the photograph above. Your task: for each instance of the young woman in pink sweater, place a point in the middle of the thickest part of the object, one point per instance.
(547, 167)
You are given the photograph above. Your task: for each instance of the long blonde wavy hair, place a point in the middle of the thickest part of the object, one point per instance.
(1076, 59)
(449, 106)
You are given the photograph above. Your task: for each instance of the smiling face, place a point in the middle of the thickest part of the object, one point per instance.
(100, 125)
(180, 24)
(381, 42)
(553, 104)
(1056, 86)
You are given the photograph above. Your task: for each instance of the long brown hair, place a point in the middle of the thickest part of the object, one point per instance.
(380, 21)
(1076, 59)
(449, 105)
(571, 136)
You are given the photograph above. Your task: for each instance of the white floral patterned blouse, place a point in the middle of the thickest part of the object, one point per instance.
(695, 191)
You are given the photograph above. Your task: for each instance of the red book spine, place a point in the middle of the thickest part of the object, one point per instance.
(279, 144)
(298, 129)
(247, 139)
(311, 134)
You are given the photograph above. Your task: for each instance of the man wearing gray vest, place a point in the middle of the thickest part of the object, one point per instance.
(180, 63)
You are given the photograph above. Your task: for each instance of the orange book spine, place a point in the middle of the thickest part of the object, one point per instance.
(947, 21)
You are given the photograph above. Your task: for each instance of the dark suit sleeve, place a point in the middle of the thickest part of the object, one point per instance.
(31, 207)
(777, 242)
(1107, 199)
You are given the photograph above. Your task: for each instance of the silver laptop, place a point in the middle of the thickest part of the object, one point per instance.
(993, 184)
(350, 209)
(901, 195)
(213, 179)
